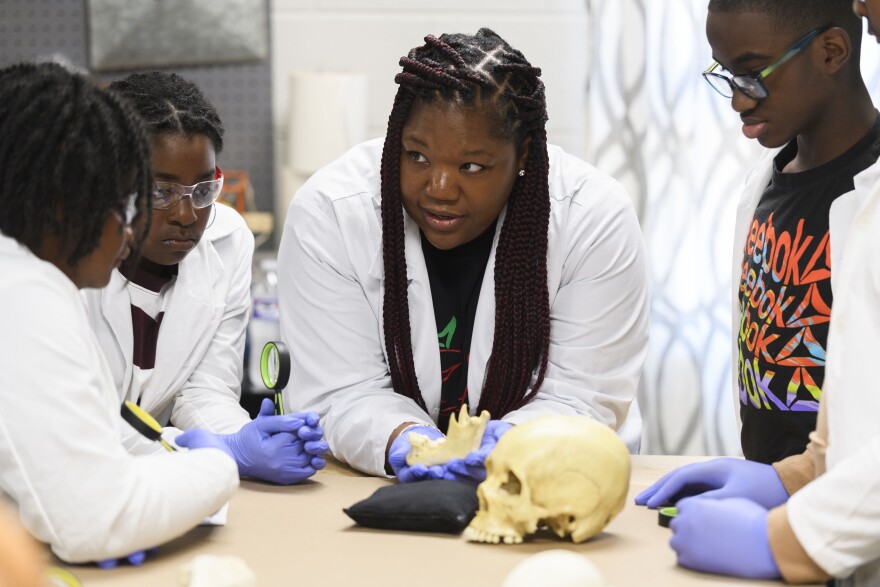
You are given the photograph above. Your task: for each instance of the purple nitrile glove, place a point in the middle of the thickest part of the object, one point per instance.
(135, 559)
(401, 447)
(718, 479)
(196, 438)
(723, 536)
(270, 447)
(472, 468)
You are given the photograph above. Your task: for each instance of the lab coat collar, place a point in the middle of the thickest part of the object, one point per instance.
(192, 303)
(190, 311)
(412, 248)
(423, 324)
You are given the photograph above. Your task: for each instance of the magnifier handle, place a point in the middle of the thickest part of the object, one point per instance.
(279, 403)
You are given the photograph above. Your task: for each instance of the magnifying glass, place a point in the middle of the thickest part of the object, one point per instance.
(144, 423)
(275, 370)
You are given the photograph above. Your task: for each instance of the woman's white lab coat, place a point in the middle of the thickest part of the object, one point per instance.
(836, 518)
(331, 289)
(196, 381)
(62, 459)
(840, 218)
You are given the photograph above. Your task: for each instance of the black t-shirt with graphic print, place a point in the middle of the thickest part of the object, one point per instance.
(785, 299)
(456, 276)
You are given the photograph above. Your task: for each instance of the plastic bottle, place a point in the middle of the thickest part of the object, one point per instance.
(263, 326)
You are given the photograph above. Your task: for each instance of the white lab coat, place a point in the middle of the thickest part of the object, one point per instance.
(62, 459)
(840, 218)
(331, 289)
(196, 381)
(836, 518)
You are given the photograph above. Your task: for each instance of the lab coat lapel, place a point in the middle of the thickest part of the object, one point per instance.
(190, 310)
(843, 212)
(423, 326)
(484, 326)
(745, 211)
(116, 308)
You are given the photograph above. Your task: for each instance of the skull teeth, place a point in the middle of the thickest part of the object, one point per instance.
(475, 535)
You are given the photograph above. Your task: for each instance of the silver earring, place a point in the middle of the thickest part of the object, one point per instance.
(522, 172)
(213, 216)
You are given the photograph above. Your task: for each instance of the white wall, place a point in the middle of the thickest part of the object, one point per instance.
(370, 36)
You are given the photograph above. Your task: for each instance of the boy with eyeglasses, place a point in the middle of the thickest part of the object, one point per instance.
(791, 71)
(743, 523)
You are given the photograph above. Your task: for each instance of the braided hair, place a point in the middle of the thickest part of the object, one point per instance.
(70, 153)
(472, 71)
(171, 104)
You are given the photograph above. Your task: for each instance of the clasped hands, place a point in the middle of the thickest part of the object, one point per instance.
(470, 469)
(281, 449)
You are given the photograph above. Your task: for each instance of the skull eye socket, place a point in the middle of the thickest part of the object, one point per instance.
(512, 485)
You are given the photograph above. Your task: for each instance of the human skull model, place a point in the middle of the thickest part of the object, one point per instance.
(568, 473)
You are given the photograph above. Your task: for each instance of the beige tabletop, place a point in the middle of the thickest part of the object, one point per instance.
(300, 536)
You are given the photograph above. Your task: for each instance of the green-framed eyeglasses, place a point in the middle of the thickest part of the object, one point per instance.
(752, 84)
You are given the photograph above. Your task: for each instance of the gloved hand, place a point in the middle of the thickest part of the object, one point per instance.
(472, 468)
(724, 536)
(135, 559)
(718, 479)
(274, 448)
(304, 424)
(401, 447)
(310, 433)
(196, 438)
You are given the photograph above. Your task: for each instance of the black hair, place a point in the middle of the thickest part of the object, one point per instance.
(477, 70)
(801, 16)
(171, 104)
(70, 153)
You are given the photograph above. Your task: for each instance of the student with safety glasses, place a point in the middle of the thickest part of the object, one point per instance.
(74, 188)
(172, 322)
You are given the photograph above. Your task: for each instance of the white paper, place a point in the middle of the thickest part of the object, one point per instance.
(218, 518)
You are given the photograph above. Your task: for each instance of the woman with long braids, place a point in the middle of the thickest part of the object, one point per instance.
(74, 190)
(172, 323)
(462, 230)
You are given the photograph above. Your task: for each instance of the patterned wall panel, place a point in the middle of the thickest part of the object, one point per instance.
(657, 127)
(40, 29)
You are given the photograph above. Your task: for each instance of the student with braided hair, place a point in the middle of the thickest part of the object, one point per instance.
(74, 188)
(172, 323)
(462, 228)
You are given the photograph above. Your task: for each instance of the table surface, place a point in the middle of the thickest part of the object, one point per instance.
(299, 535)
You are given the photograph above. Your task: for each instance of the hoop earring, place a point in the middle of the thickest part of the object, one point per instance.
(522, 172)
(213, 216)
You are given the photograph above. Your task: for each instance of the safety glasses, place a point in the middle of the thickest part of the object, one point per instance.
(203, 194)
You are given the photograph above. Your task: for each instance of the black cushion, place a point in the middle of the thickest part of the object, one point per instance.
(424, 506)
